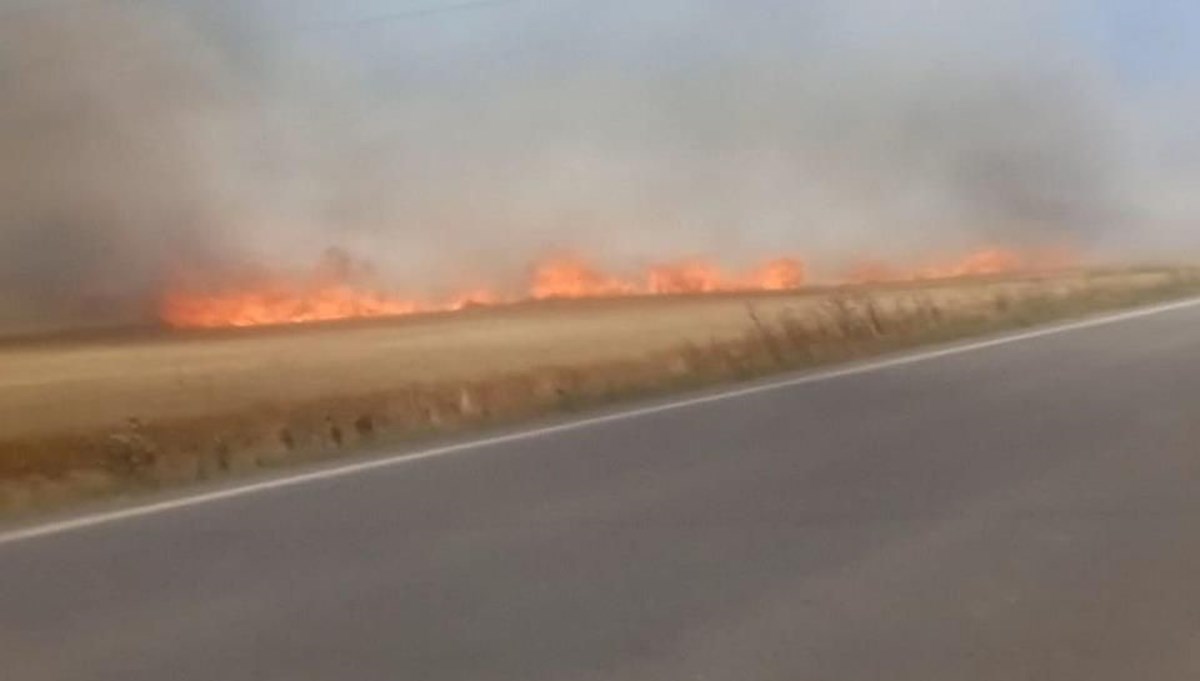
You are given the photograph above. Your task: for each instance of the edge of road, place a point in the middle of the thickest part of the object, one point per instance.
(363, 465)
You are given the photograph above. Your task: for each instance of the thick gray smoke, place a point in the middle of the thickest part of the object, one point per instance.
(141, 142)
(112, 126)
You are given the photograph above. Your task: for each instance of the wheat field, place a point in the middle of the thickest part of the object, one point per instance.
(94, 413)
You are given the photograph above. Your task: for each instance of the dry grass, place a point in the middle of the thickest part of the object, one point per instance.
(86, 416)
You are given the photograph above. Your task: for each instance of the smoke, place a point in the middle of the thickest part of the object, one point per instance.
(111, 125)
(141, 142)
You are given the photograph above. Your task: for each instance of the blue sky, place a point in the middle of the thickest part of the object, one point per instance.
(1150, 42)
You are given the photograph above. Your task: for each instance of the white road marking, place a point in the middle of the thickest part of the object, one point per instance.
(107, 517)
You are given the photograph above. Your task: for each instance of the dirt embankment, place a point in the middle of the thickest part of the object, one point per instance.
(88, 417)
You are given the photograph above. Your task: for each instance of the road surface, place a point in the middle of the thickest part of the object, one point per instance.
(1024, 510)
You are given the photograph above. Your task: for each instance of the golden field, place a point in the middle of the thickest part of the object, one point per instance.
(88, 415)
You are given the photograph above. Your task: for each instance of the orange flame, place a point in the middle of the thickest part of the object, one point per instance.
(573, 277)
(988, 261)
(688, 276)
(336, 289)
(781, 274)
(280, 305)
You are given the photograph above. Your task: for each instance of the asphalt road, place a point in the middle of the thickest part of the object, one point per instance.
(1028, 510)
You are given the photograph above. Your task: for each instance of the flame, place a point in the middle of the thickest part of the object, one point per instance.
(281, 305)
(573, 277)
(341, 288)
(781, 274)
(688, 276)
(873, 272)
(989, 261)
(335, 291)
(984, 262)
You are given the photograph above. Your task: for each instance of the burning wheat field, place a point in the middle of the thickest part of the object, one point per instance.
(82, 416)
(570, 339)
(234, 234)
(341, 288)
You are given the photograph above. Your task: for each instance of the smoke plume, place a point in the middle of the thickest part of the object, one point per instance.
(142, 142)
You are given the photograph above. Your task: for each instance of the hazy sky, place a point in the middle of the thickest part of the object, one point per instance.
(1118, 79)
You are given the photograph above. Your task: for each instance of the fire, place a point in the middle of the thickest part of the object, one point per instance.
(336, 290)
(988, 261)
(340, 288)
(573, 277)
(781, 274)
(689, 276)
(280, 305)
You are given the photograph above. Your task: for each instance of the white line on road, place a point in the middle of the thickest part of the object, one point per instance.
(103, 518)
